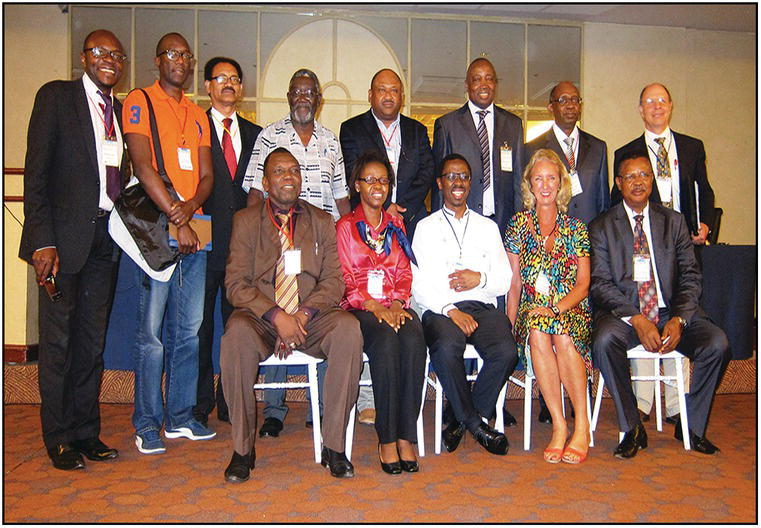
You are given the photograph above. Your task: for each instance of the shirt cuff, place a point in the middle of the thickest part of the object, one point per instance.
(269, 315)
(447, 308)
(482, 282)
(44, 247)
(627, 319)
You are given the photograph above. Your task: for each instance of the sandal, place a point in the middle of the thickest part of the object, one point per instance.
(580, 457)
(553, 455)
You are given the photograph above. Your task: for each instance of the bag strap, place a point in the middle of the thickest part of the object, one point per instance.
(157, 145)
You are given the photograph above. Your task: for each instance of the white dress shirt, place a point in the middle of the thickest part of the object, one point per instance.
(392, 141)
(218, 118)
(443, 244)
(488, 202)
(561, 137)
(646, 228)
(664, 189)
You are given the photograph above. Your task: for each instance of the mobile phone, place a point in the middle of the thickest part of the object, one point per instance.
(52, 289)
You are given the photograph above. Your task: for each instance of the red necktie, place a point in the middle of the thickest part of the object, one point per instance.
(648, 296)
(113, 175)
(227, 148)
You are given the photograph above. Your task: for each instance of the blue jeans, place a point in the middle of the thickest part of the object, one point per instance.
(177, 306)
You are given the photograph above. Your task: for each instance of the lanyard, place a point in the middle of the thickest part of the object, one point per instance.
(391, 137)
(223, 126)
(185, 122)
(289, 234)
(459, 244)
(109, 133)
(667, 147)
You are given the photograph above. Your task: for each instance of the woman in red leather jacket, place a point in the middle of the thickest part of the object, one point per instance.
(375, 259)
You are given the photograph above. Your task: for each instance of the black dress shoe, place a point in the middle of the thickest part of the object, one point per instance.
(509, 419)
(240, 466)
(410, 466)
(392, 468)
(447, 416)
(65, 457)
(452, 435)
(94, 449)
(544, 415)
(633, 441)
(643, 417)
(701, 444)
(491, 439)
(271, 427)
(337, 463)
(223, 416)
(673, 420)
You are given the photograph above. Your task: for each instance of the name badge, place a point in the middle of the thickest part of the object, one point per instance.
(575, 184)
(375, 283)
(183, 156)
(110, 152)
(641, 268)
(506, 158)
(292, 261)
(542, 285)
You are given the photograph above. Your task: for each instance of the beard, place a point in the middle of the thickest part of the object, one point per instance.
(299, 117)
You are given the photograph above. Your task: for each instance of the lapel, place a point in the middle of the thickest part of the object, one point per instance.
(407, 130)
(469, 127)
(552, 144)
(658, 236)
(246, 146)
(82, 111)
(372, 130)
(625, 236)
(583, 149)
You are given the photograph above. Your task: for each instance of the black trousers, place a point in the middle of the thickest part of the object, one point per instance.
(205, 398)
(397, 364)
(493, 339)
(72, 335)
(702, 341)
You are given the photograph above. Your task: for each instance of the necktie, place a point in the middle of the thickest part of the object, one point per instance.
(664, 172)
(113, 177)
(483, 139)
(648, 297)
(569, 154)
(227, 148)
(286, 286)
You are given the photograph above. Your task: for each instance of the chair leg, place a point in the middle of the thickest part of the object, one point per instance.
(528, 390)
(682, 403)
(598, 401)
(562, 399)
(350, 431)
(316, 424)
(420, 437)
(499, 421)
(657, 400)
(439, 405)
(589, 413)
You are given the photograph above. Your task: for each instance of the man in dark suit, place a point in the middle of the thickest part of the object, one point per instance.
(231, 147)
(73, 175)
(491, 139)
(646, 286)
(284, 280)
(585, 156)
(403, 141)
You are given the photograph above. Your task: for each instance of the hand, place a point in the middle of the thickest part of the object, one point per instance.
(464, 321)
(397, 308)
(187, 240)
(672, 334)
(45, 261)
(647, 332)
(290, 333)
(181, 212)
(464, 280)
(396, 210)
(381, 313)
(542, 310)
(702, 235)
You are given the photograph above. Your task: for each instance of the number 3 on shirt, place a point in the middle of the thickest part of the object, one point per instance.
(135, 119)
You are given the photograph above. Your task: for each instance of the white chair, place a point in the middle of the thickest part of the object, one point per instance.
(300, 359)
(677, 381)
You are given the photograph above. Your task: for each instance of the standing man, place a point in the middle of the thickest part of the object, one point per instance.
(231, 145)
(284, 280)
(72, 175)
(184, 136)
(681, 184)
(491, 139)
(323, 184)
(646, 288)
(401, 140)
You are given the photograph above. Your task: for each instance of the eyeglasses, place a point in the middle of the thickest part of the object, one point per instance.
(222, 79)
(372, 180)
(452, 176)
(641, 175)
(650, 101)
(563, 100)
(174, 55)
(101, 53)
(309, 94)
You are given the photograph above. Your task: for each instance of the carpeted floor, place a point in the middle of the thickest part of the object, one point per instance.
(662, 484)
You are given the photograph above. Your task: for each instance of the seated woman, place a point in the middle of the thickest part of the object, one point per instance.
(375, 259)
(547, 303)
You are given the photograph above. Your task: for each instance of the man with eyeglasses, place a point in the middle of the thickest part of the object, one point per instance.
(177, 304)
(461, 269)
(232, 141)
(646, 287)
(73, 173)
(323, 184)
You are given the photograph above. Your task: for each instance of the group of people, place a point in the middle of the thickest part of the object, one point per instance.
(324, 244)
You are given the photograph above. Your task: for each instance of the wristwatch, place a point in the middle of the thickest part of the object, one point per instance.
(555, 310)
(682, 321)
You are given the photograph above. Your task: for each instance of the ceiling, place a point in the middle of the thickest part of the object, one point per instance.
(721, 17)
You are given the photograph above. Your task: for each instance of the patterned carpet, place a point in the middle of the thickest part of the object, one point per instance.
(662, 484)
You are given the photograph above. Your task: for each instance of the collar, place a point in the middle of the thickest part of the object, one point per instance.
(382, 125)
(316, 132)
(161, 94)
(92, 90)
(631, 213)
(297, 208)
(219, 116)
(474, 110)
(358, 215)
(449, 212)
(561, 136)
(651, 136)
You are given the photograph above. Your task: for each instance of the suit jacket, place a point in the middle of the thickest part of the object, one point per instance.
(456, 132)
(414, 173)
(255, 250)
(692, 168)
(612, 239)
(591, 166)
(61, 178)
(227, 196)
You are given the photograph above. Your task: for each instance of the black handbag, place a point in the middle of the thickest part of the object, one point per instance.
(146, 223)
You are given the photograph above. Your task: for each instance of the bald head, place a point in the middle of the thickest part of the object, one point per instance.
(166, 42)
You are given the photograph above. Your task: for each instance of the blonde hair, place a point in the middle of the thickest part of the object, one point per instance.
(564, 192)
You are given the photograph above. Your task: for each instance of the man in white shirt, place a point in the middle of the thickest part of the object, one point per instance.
(462, 269)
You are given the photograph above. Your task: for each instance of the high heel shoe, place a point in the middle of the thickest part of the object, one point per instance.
(410, 466)
(392, 468)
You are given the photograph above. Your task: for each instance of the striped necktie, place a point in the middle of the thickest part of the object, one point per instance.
(569, 154)
(648, 296)
(286, 286)
(483, 139)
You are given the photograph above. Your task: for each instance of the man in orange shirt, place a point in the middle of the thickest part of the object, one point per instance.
(184, 136)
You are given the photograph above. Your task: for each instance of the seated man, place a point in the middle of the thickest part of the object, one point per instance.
(462, 269)
(650, 297)
(284, 279)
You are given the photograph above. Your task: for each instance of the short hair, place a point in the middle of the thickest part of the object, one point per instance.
(632, 155)
(481, 59)
(279, 150)
(366, 158)
(381, 71)
(554, 88)
(172, 34)
(451, 157)
(305, 72)
(653, 84)
(564, 192)
(211, 63)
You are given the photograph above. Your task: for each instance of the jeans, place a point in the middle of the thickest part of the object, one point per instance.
(177, 305)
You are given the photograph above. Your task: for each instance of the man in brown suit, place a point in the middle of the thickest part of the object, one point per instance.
(272, 242)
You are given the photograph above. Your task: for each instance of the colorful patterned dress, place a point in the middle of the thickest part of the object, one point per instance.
(560, 265)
